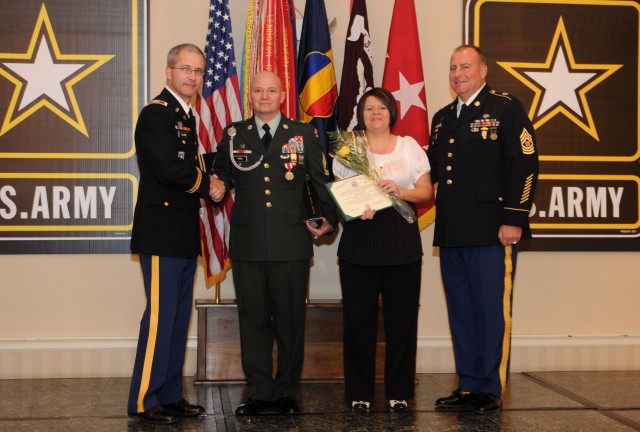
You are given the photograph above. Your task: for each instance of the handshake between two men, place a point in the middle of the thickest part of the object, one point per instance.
(217, 188)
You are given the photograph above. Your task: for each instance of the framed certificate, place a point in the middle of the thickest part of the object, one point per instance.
(355, 194)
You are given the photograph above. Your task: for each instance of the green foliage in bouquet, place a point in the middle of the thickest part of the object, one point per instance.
(351, 150)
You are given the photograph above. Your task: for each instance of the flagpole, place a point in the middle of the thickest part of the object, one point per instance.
(216, 298)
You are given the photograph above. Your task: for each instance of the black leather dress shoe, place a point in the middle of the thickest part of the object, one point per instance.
(252, 407)
(182, 408)
(287, 405)
(486, 402)
(459, 400)
(156, 415)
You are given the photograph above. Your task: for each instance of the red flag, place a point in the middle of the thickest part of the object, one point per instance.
(404, 78)
(270, 45)
(357, 68)
(218, 106)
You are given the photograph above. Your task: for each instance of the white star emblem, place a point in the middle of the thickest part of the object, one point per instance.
(44, 77)
(560, 84)
(409, 95)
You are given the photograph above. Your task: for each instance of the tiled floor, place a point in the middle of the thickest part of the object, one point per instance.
(540, 401)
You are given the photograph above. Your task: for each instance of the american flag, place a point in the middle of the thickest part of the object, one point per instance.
(218, 106)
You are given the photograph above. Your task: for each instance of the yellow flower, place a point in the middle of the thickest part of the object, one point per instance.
(343, 151)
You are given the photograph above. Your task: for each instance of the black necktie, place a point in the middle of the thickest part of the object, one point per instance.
(266, 138)
(462, 108)
(192, 121)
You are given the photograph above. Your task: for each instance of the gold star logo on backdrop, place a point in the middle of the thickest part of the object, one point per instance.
(44, 77)
(560, 87)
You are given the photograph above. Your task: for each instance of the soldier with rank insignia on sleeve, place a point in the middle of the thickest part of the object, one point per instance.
(267, 159)
(483, 158)
(166, 235)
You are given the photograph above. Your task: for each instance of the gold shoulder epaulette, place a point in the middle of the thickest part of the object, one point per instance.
(157, 102)
(503, 94)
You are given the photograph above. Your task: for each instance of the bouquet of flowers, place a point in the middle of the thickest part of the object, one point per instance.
(351, 149)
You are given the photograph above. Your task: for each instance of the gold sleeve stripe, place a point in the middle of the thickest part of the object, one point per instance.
(196, 185)
(526, 192)
(201, 162)
(516, 209)
(526, 142)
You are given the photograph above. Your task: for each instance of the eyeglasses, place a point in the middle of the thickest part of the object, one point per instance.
(187, 70)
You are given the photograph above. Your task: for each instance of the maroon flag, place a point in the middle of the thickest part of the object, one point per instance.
(404, 78)
(218, 106)
(357, 69)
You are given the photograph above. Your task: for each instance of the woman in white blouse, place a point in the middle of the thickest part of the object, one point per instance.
(380, 254)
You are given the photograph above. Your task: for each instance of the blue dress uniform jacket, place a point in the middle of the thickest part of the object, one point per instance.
(267, 223)
(486, 166)
(172, 179)
(166, 235)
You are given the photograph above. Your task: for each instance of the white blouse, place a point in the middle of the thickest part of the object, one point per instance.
(404, 165)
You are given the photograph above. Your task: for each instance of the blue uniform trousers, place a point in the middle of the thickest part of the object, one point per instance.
(478, 285)
(157, 372)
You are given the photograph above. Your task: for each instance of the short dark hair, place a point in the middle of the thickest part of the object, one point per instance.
(174, 52)
(386, 98)
(483, 58)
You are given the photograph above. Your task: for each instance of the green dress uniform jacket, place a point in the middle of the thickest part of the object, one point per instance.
(172, 179)
(267, 222)
(270, 245)
(486, 165)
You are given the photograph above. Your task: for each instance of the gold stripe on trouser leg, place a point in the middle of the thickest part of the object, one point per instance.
(506, 310)
(154, 292)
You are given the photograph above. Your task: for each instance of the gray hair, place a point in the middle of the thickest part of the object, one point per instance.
(174, 52)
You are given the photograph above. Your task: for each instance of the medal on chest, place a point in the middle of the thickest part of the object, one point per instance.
(289, 175)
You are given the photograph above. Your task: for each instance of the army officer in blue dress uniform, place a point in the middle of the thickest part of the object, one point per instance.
(166, 235)
(483, 158)
(267, 159)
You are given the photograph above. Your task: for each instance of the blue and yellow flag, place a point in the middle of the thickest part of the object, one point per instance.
(317, 88)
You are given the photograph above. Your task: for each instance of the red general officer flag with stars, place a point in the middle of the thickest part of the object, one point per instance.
(404, 78)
